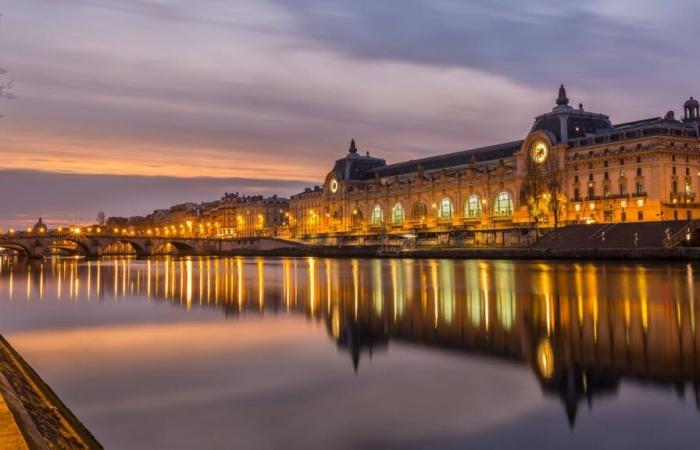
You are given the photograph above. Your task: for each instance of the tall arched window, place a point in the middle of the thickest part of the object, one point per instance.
(472, 209)
(357, 217)
(503, 206)
(397, 214)
(377, 216)
(445, 209)
(420, 211)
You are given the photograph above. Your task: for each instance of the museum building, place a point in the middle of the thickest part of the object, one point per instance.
(573, 167)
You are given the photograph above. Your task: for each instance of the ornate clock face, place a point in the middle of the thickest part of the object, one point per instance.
(334, 185)
(539, 152)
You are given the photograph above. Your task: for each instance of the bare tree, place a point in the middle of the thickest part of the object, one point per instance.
(556, 197)
(101, 218)
(5, 84)
(543, 190)
(534, 189)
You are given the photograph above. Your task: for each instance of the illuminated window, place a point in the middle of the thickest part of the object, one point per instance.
(473, 207)
(503, 206)
(377, 216)
(397, 214)
(445, 209)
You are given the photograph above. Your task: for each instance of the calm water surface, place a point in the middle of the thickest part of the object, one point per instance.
(346, 354)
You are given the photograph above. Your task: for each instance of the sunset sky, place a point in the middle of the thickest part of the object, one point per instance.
(132, 105)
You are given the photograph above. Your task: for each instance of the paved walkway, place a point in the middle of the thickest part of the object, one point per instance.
(10, 436)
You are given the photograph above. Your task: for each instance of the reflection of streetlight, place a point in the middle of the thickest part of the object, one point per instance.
(545, 358)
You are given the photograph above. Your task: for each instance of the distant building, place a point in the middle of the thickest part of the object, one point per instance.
(574, 166)
(239, 215)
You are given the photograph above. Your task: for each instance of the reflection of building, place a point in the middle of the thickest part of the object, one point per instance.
(573, 164)
(583, 329)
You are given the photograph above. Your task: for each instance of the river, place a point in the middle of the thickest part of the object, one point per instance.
(309, 353)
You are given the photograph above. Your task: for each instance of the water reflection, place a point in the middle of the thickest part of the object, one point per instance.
(583, 329)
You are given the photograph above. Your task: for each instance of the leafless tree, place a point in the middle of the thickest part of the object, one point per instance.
(101, 218)
(543, 190)
(5, 84)
(555, 193)
(534, 189)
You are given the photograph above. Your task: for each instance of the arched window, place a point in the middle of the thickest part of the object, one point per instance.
(357, 217)
(503, 206)
(445, 209)
(419, 212)
(472, 208)
(377, 216)
(397, 214)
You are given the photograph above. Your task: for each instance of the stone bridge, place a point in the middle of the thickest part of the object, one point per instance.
(38, 246)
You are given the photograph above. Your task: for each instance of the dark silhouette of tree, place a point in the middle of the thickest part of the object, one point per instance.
(543, 190)
(5, 84)
(555, 195)
(534, 187)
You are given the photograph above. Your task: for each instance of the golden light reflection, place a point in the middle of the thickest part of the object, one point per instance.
(545, 358)
(629, 310)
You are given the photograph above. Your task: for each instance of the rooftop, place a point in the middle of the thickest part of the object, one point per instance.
(475, 155)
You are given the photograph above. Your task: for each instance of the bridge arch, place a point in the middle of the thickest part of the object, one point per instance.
(122, 247)
(173, 248)
(69, 244)
(16, 247)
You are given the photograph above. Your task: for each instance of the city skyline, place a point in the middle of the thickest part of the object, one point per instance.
(171, 100)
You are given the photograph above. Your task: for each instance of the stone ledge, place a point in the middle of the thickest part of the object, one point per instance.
(42, 419)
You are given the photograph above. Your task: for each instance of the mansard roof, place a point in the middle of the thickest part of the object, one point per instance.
(477, 155)
(355, 166)
(654, 126)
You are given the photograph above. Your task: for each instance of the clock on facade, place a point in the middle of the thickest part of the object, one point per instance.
(539, 151)
(334, 185)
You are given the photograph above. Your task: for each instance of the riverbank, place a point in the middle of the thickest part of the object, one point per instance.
(31, 414)
(679, 253)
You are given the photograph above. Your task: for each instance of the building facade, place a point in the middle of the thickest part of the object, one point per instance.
(237, 215)
(574, 166)
(233, 216)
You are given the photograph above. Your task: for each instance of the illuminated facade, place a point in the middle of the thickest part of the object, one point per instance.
(574, 166)
(238, 215)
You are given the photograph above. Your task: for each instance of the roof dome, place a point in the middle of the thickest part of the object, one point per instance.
(40, 227)
(692, 103)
